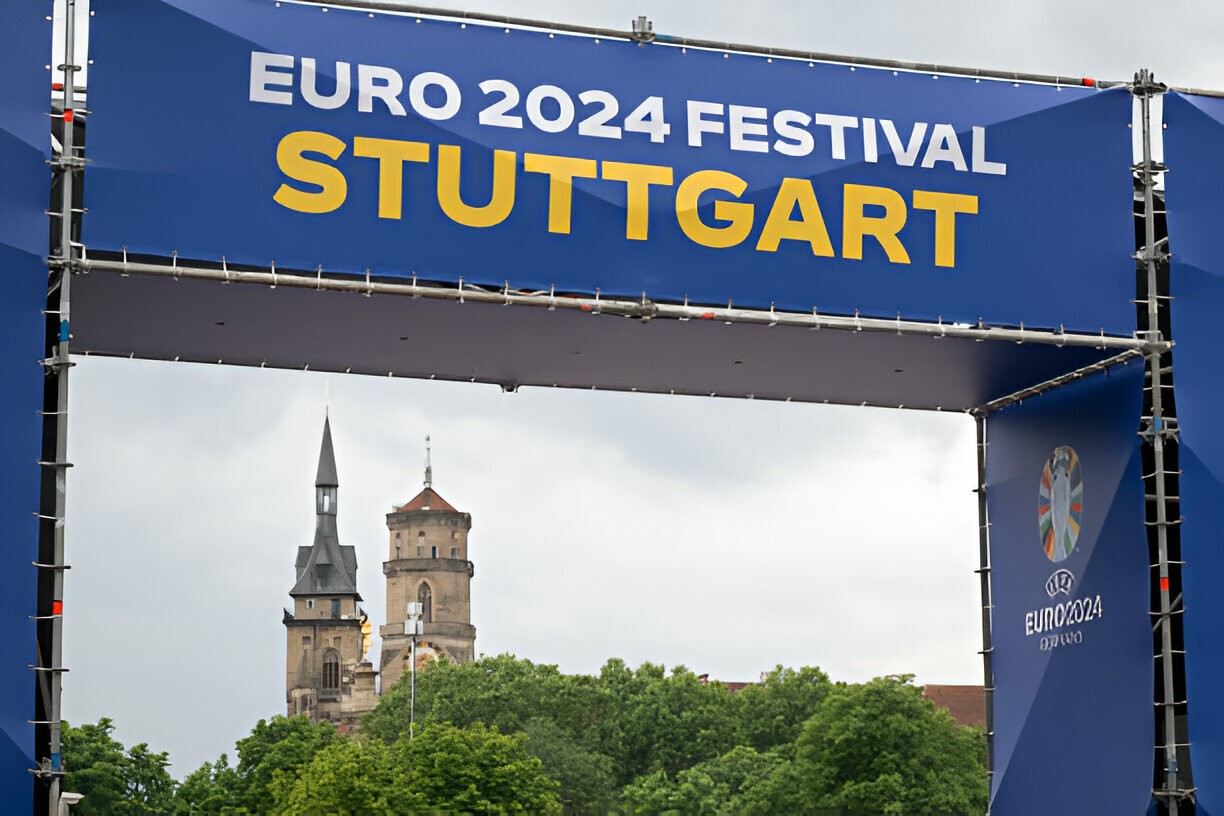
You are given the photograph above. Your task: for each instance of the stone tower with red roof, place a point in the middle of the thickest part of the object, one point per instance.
(427, 563)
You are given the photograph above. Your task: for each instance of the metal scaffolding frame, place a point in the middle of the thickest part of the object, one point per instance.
(56, 364)
(983, 572)
(642, 32)
(642, 308)
(1158, 430)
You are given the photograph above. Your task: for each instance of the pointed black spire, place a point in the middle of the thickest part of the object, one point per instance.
(326, 567)
(326, 476)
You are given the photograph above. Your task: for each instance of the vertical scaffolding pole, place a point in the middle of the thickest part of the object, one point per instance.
(983, 572)
(1158, 430)
(50, 667)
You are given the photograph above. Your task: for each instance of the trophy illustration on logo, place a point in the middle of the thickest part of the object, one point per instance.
(1060, 506)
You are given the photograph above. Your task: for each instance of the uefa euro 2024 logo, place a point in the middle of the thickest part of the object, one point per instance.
(1061, 505)
(1059, 510)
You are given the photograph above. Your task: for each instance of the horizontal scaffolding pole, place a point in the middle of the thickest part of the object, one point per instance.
(1063, 379)
(642, 308)
(713, 45)
(1196, 91)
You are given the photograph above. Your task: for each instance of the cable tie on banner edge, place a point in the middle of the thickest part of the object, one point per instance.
(1180, 793)
(54, 363)
(47, 772)
(51, 566)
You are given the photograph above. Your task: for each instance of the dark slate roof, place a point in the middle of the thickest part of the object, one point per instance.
(428, 499)
(326, 476)
(326, 567)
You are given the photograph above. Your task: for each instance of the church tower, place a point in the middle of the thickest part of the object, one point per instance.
(428, 563)
(327, 676)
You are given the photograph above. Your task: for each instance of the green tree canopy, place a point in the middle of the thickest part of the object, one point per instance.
(350, 777)
(272, 755)
(638, 741)
(881, 748)
(774, 711)
(502, 692)
(648, 720)
(212, 789)
(115, 781)
(715, 787)
(476, 770)
(584, 775)
(443, 770)
(95, 764)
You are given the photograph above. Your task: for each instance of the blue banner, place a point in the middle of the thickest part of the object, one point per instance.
(24, 184)
(1069, 580)
(316, 136)
(1193, 139)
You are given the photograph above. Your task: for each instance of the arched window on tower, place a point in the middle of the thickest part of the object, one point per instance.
(331, 674)
(425, 596)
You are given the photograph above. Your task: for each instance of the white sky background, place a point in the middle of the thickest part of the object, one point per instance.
(724, 535)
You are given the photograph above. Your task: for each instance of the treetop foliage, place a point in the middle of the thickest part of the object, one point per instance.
(505, 735)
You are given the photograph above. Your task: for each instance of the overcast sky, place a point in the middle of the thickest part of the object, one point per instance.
(727, 536)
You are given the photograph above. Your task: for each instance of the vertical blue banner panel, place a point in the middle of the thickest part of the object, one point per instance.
(25, 38)
(1069, 577)
(1194, 149)
(411, 145)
